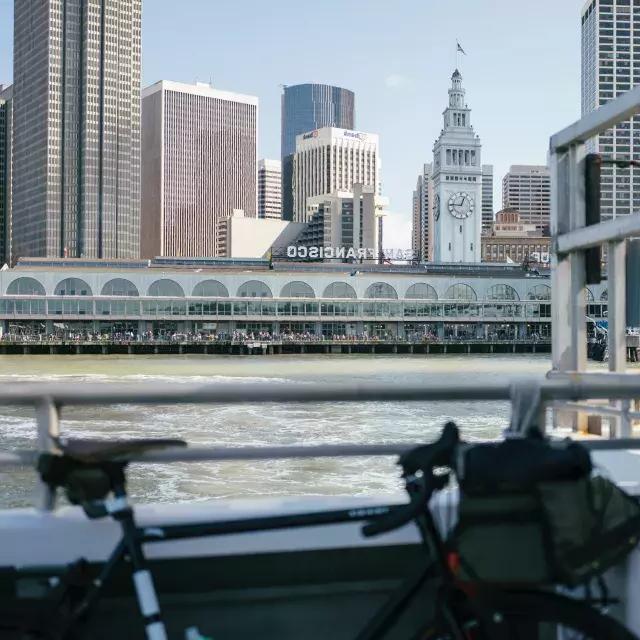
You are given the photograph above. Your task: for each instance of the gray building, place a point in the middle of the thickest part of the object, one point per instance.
(306, 107)
(611, 66)
(487, 197)
(270, 189)
(422, 216)
(199, 164)
(76, 179)
(6, 126)
(527, 189)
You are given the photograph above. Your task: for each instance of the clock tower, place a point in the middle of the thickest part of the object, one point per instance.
(457, 183)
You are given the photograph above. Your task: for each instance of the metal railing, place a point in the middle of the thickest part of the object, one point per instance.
(529, 400)
(572, 236)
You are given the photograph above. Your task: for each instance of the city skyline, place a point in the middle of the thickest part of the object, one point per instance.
(398, 83)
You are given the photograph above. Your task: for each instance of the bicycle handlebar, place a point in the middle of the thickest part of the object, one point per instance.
(423, 458)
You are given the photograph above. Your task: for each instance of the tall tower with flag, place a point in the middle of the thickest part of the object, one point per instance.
(457, 182)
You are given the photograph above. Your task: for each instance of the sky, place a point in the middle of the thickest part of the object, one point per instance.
(521, 71)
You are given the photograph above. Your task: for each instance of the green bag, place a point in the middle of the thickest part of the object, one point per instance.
(560, 532)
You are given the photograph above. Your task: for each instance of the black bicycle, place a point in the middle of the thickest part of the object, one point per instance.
(93, 475)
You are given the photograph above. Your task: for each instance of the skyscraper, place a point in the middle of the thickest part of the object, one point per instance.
(199, 164)
(6, 125)
(611, 66)
(487, 196)
(422, 219)
(76, 160)
(306, 107)
(527, 189)
(330, 159)
(270, 189)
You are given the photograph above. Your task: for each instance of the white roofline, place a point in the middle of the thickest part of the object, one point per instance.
(200, 89)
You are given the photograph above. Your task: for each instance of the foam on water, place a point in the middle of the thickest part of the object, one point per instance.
(259, 424)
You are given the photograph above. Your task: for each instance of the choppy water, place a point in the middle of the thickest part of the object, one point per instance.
(252, 424)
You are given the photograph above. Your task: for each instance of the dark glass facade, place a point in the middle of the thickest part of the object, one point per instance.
(306, 107)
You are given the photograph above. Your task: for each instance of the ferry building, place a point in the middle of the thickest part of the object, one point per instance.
(166, 296)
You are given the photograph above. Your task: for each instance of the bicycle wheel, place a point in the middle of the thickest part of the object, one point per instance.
(535, 615)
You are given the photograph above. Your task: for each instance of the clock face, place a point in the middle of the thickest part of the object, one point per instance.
(436, 207)
(461, 205)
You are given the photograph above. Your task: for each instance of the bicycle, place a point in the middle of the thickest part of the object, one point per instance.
(93, 475)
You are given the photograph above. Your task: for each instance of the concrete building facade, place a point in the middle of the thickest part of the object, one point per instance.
(306, 107)
(487, 196)
(199, 164)
(422, 216)
(329, 160)
(76, 137)
(527, 189)
(611, 66)
(270, 189)
(6, 153)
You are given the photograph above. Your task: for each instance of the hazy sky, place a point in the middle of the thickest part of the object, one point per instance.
(522, 71)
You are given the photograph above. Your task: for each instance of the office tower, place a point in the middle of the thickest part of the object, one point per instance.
(344, 226)
(611, 66)
(330, 159)
(76, 118)
(422, 218)
(306, 107)
(270, 189)
(457, 183)
(6, 126)
(199, 163)
(527, 190)
(487, 197)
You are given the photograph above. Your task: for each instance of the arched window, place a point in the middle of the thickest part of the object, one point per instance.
(119, 287)
(297, 289)
(460, 292)
(589, 294)
(254, 289)
(25, 287)
(502, 292)
(381, 290)
(210, 289)
(339, 290)
(165, 288)
(421, 291)
(539, 292)
(73, 287)
(604, 296)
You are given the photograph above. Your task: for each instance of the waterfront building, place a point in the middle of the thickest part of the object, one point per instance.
(218, 296)
(344, 226)
(6, 152)
(199, 163)
(242, 237)
(76, 129)
(306, 107)
(422, 216)
(487, 196)
(611, 66)
(270, 189)
(527, 189)
(329, 160)
(511, 239)
(457, 183)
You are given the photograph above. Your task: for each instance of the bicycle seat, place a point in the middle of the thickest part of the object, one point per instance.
(88, 450)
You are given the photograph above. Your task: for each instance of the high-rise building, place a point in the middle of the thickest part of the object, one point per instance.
(457, 183)
(199, 163)
(611, 66)
(306, 107)
(422, 218)
(76, 135)
(487, 196)
(527, 189)
(330, 159)
(6, 126)
(270, 189)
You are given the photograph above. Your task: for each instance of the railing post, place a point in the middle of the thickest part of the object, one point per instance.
(617, 325)
(48, 423)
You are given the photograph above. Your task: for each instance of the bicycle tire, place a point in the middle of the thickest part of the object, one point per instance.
(518, 613)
